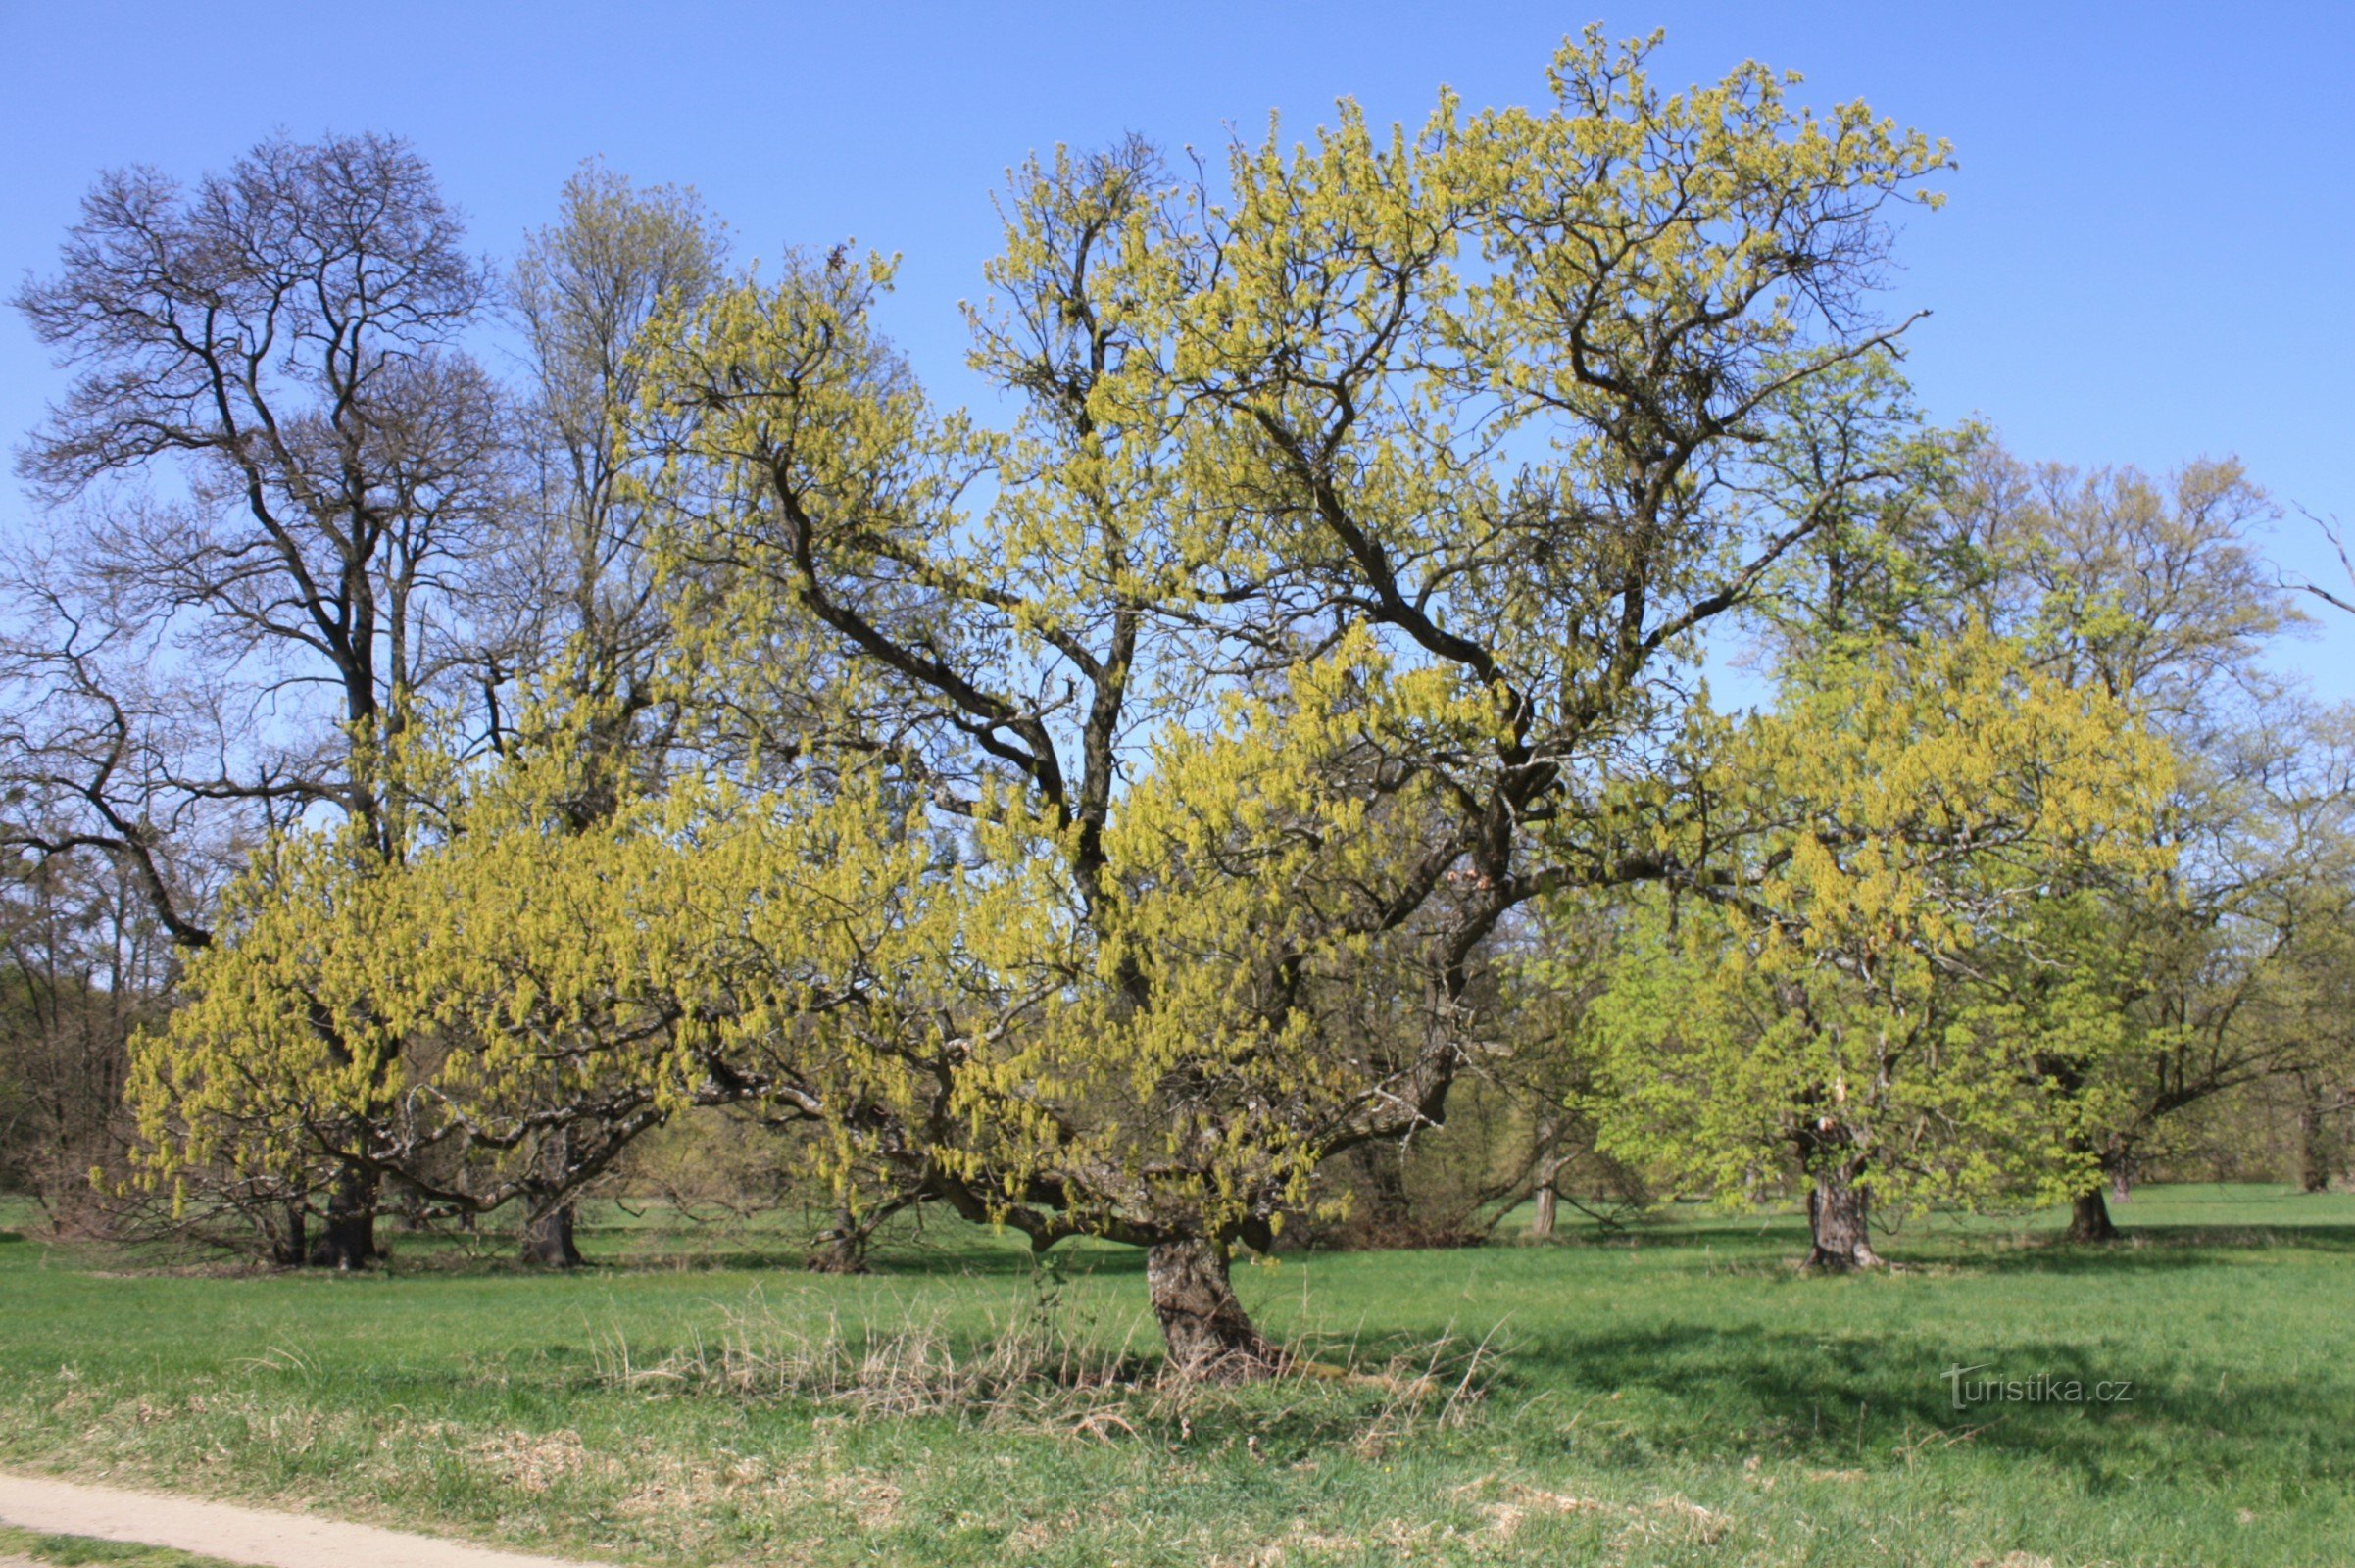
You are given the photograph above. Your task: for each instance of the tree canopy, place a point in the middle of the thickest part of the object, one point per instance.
(1097, 815)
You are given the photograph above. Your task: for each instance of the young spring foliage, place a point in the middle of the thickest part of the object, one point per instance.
(1318, 608)
(493, 1019)
(1894, 845)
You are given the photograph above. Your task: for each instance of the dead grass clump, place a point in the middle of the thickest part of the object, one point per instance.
(1032, 1372)
(530, 1462)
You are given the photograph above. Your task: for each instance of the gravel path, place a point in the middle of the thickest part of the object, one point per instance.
(254, 1536)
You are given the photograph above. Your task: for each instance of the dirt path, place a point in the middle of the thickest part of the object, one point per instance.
(239, 1535)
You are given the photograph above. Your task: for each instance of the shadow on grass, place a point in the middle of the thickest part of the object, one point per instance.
(1734, 1246)
(2149, 1249)
(1865, 1399)
(1781, 1239)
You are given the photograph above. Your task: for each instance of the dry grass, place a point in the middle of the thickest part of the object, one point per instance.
(1041, 1372)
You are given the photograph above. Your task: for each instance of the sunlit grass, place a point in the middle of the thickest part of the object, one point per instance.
(1668, 1397)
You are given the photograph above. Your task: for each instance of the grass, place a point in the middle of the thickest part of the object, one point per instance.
(74, 1551)
(1674, 1396)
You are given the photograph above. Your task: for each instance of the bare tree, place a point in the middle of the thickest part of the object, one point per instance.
(2340, 598)
(275, 465)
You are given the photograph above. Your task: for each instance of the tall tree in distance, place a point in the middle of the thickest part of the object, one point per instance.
(2152, 588)
(2154, 591)
(583, 628)
(579, 634)
(282, 465)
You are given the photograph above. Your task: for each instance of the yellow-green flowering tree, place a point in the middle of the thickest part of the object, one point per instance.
(1892, 850)
(2156, 591)
(1049, 806)
(493, 1019)
(1307, 620)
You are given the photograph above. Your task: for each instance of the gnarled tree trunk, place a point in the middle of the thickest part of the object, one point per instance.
(841, 1248)
(1837, 1216)
(548, 1225)
(1209, 1336)
(348, 1235)
(1540, 1223)
(548, 1239)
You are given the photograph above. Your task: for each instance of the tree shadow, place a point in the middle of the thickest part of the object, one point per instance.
(1875, 1399)
(1783, 1237)
(2149, 1248)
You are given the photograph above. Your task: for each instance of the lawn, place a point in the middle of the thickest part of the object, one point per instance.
(1677, 1396)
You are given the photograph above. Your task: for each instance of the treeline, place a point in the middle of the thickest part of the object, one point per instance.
(1255, 781)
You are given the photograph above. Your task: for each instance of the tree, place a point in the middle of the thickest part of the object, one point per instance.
(1353, 526)
(581, 636)
(2228, 957)
(507, 1008)
(2153, 590)
(284, 463)
(581, 621)
(1833, 996)
(2150, 588)
(2338, 599)
(82, 966)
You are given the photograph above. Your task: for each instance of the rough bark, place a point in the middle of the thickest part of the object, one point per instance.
(288, 1244)
(548, 1239)
(2089, 1218)
(348, 1235)
(1540, 1223)
(842, 1247)
(2314, 1145)
(1837, 1223)
(1208, 1334)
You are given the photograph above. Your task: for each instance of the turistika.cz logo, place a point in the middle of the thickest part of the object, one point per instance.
(2041, 1388)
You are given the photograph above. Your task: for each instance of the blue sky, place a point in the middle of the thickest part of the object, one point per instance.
(2149, 252)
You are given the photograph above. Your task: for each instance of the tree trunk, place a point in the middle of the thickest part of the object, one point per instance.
(1387, 1218)
(842, 1248)
(348, 1238)
(2314, 1145)
(1540, 1224)
(2089, 1218)
(1837, 1214)
(548, 1239)
(287, 1247)
(1209, 1336)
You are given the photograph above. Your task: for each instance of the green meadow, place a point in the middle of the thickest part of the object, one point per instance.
(1676, 1395)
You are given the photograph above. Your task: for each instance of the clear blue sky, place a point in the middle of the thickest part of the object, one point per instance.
(2149, 253)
